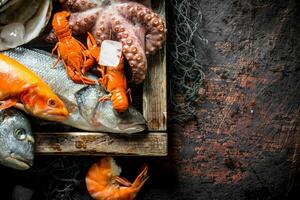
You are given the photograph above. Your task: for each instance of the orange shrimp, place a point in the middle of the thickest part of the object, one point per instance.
(104, 183)
(76, 58)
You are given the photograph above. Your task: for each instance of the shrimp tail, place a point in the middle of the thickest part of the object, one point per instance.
(141, 179)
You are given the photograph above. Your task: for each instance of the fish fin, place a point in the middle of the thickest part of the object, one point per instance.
(28, 92)
(7, 104)
(122, 181)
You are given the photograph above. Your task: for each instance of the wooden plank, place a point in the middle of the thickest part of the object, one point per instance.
(155, 86)
(90, 143)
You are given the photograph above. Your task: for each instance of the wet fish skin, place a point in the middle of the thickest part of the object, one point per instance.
(86, 113)
(16, 140)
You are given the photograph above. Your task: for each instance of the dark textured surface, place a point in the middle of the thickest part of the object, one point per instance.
(244, 143)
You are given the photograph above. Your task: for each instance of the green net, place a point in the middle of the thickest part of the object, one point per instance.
(185, 69)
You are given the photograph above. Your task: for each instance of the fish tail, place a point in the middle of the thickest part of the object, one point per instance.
(141, 179)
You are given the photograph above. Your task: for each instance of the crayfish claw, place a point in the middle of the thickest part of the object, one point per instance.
(77, 78)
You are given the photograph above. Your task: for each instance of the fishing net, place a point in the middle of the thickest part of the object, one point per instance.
(186, 72)
(61, 178)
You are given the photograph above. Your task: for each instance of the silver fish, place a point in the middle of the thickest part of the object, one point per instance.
(16, 140)
(86, 112)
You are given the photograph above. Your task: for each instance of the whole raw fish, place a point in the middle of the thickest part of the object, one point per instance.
(16, 140)
(22, 87)
(86, 112)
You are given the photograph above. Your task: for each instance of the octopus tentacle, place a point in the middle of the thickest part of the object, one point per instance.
(79, 5)
(81, 22)
(102, 29)
(132, 47)
(156, 29)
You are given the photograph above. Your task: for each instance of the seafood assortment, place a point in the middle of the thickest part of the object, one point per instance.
(103, 181)
(22, 20)
(63, 89)
(141, 30)
(16, 140)
(85, 111)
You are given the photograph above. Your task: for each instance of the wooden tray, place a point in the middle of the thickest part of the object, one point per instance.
(153, 143)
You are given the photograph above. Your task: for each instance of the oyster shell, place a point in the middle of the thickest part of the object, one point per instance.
(22, 20)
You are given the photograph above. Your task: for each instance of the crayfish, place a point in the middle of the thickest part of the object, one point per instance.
(114, 80)
(76, 58)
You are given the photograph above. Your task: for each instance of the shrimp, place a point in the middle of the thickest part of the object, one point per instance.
(104, 183)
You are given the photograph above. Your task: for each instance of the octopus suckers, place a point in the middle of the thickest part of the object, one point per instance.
(129, 41)
(155, 22)
(125, 35)
(92, 5)
(133, 49)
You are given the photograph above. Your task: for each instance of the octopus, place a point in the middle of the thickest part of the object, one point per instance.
(141, 31)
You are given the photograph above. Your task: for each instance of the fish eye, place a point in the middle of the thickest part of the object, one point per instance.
(20, 134)
(51, 102)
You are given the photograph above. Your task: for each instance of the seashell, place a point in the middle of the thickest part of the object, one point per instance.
(22, 20)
